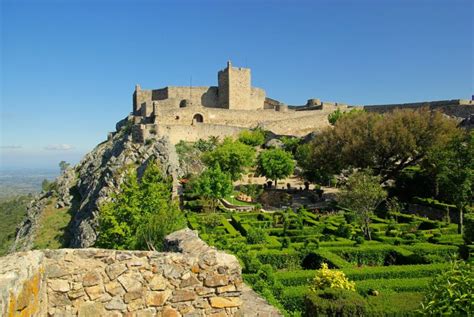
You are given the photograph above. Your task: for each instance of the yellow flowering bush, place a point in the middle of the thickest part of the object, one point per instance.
(326, 278)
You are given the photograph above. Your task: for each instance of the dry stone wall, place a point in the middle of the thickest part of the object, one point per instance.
(194, 280)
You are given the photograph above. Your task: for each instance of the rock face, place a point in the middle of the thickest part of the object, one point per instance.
(94, 180)
(196, 281)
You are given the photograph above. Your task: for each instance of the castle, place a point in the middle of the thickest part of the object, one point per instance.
(192, 113)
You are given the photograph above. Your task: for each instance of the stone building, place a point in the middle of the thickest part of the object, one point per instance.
(191, 113)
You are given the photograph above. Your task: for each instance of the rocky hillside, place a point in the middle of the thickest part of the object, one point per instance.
(93, 181)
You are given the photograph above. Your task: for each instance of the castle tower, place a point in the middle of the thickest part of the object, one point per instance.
(235, 88)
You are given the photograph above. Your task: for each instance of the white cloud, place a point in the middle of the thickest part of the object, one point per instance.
(10, 147)
(59, 147)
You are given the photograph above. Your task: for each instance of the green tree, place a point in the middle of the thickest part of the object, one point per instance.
(385, 143)
(275, 164)
(233, 157)
(63, 165)
(141, 213)
(456, 173)
(451, 293)
(254, 137)
(212, 185)
(362, 194)
(119, 219)
(290, 144)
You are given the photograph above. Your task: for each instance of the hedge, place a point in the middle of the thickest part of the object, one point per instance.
(280, 259)
(395, 271)
(397, 285)
(332, 259)
(432, 253)
(395, 304)
(373, 255)
(304, 277)
(230, 229)
(334, 302)
(469, 228)
(292, 298)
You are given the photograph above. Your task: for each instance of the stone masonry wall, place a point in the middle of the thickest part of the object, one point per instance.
(193, 280)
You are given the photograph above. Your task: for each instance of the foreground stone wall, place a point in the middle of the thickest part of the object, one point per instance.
(193, 280)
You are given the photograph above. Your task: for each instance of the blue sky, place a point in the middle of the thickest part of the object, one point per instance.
(68, 68)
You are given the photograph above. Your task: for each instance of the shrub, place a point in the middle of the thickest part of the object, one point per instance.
(293, 298)
(326, 278)
(344, 231)
(350, 216)
(256, 235)
(280, 259)
(468, 234)
(253, 138)
(141, 214)
(285, 243)
(452, 292)
(335, 302)
(359, 240)
(211, 220)
(395, 285)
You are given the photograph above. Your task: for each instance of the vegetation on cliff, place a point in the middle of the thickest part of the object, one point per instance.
(141, 214)
(12, 212)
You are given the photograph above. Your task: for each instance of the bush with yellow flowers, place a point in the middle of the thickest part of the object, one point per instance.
(326, 278)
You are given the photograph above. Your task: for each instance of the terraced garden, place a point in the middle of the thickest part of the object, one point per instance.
(281, 251)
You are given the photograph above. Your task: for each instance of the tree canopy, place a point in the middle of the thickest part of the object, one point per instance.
(275, 164)
(141, 213)
(233, 157)
(385, 143)
(362, 194)
(455, 166)
(254, 137)
(212, 185)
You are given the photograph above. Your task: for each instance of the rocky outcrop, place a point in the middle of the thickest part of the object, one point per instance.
(27, 229)
(101, 172)
(195, 280)
(94, 180)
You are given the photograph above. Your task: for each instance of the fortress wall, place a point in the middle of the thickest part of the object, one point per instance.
(159, 94)
(228, 122)
(193, 280)
(299, 125)
(239, 89)
(140, 97)
(240, 118)
(443, 104)
(223, 84)
(192, 133)
(207, 96)
(257, 98)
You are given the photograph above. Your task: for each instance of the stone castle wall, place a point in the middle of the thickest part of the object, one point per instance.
(236, 91)
(180, 124)
(455, 107)
(193, 280)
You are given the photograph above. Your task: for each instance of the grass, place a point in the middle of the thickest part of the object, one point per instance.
(52, 228)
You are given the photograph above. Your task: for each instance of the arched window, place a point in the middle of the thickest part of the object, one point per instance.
(198, 118)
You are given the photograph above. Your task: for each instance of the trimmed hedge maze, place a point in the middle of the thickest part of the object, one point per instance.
(280, 251)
